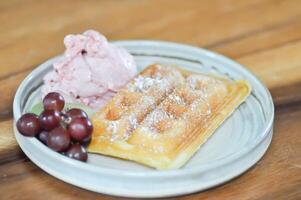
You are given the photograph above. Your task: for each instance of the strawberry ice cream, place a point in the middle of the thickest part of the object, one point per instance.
(91, 71)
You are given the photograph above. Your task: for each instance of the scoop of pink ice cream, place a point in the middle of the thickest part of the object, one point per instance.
(91, 71)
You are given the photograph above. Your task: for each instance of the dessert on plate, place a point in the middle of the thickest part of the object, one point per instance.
(164, 115)
(159, 117)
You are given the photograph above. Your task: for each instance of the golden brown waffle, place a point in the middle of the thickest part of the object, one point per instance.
(164, 115)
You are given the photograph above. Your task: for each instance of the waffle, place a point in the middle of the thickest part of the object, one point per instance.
(163, 116)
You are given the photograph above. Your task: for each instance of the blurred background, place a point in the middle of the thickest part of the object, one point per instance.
(263, 35)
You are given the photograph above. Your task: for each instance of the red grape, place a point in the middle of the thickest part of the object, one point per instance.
(89, 126)
(78, 152)
(86, 141)
(43, 136)
(49, 119)
(58, 139)
(29, 125)
(53, 101)
(80, 128)
(76, 113)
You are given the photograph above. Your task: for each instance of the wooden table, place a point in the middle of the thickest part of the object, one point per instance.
(263, 35)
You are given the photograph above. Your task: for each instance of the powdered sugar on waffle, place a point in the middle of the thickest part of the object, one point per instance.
(113, 126)
(196, 85)
(175, 98)
(156, 116)
(196, 104)
(133, 122)
(201, 93)
(145, 102)
(194, 82)
(195, 79)
(142, 84)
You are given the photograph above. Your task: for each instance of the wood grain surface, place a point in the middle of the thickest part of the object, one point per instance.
(263, 35)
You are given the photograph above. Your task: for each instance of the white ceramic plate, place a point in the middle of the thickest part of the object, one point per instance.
(237, 145)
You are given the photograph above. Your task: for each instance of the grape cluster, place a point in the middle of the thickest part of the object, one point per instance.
(66, 132)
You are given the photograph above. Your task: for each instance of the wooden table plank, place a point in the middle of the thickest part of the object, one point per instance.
(230, 24)
(277, 67)
(8, 87)
(264, 35)
(261, 40)
(49, 30)
(7, 140)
